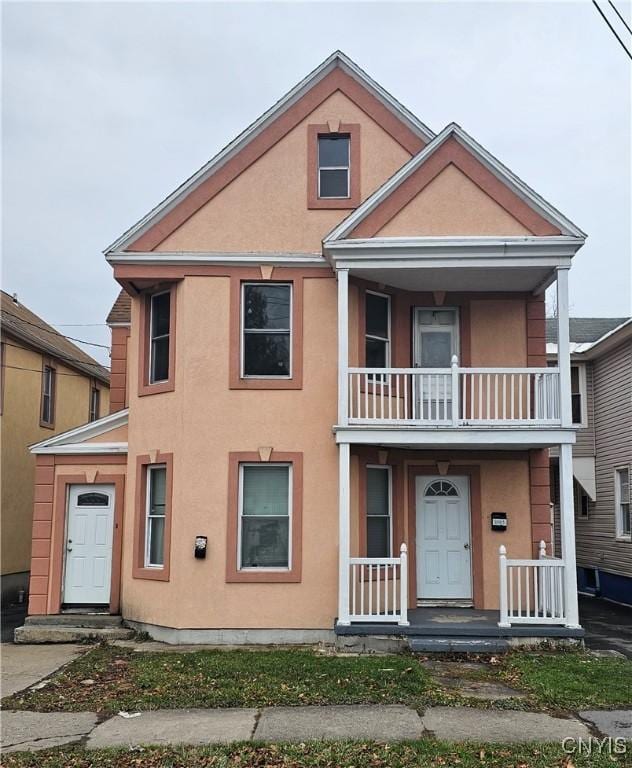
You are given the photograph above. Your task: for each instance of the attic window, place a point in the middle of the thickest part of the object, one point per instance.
(333, 165)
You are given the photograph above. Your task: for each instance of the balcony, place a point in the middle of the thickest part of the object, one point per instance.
(454, 397)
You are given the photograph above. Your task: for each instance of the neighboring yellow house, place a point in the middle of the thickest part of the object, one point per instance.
(48, 386)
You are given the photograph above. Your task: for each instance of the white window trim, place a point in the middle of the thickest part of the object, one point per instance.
(388, 297)
(243, 331)
(389, 469)
(152, 337)
(618, 501)
(346, 168)
(240, 508)
(581, 374)
(148, 516)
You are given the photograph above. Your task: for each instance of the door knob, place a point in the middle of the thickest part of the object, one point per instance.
(69, 549)
(466, 546)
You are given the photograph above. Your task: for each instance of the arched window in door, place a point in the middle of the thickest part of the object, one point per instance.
(441, 488)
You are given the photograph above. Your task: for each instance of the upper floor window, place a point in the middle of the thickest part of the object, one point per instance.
(47, 415)
(582, 502)
(159, 331)
(334, 165)
(95, 403)
(622, 502)
(378, 330)
(266, 330)
(265, 515)
(578, 394)
(379, 524)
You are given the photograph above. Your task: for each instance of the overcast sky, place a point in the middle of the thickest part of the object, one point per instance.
(107, 107)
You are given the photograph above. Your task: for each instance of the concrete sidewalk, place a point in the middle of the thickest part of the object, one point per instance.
(384, 723)
(23, 665)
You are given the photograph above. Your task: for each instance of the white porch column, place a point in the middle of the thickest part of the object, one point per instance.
(344, 528)
(343, 346)
(563, 347)
(567, 531)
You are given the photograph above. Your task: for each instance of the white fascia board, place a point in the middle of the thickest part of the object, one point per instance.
(454, 251)
(157, 258)
(84, 432)
(528, 195)
(81, 449)
(230, 150)
(493, 438)
(610, 339)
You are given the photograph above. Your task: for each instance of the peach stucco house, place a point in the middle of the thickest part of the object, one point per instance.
(331, 406)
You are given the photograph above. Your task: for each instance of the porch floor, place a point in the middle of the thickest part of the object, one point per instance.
(455, 622)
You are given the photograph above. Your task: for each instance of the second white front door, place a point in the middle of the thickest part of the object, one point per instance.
(444, 570)
(89, 533)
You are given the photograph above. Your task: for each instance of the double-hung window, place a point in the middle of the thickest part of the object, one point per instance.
(622, 502)
(159, 329)
(48, 395)
(266, 330)
(378, 330)
(155, 515)
(265, 516)
(95, 403)
(379, 527)
(333, 165)
(577, 393)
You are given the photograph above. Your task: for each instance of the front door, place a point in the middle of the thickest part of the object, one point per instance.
(89, 533)
(436, 340)
(444, 570)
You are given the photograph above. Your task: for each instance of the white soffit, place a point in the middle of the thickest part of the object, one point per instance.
(77, 436)
(584, 472)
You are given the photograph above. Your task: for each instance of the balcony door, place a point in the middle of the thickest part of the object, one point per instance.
(436, 340)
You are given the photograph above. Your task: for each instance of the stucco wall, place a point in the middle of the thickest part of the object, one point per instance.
(265, 208)
(452, 204)
(20, 427)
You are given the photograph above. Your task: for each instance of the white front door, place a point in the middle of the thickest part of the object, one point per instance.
(89, 533)
(444, 570)
(436, 340)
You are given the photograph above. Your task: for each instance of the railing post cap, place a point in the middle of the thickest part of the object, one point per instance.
(403, 548)
(502, 550)
(455, 360)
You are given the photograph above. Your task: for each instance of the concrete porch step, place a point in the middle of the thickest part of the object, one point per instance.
(431, 644)
(71, 628)
(89, 620)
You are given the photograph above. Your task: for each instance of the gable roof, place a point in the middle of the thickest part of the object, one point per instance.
(73, 441)
(19, 322)
(121, 312)
(337, 61)
(584, 330)
(501, 172)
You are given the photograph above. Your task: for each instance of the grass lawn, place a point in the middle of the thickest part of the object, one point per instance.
(419, 754)
(109, 679)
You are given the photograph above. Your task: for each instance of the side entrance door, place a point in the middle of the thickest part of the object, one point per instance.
(435, 341)
(444, 570)
(89, 534)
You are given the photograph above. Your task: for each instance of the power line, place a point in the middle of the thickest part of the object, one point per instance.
(39, 370)
(53, 331)
(65, 358)
(623, 21)
(612, 29)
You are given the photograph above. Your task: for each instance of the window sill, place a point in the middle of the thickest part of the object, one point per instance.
(266, 383)
(152, 574)
(625, 539)
(156, 389)
(263, 576)
(46, 425)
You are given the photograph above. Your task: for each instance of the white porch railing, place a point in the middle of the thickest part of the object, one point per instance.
(378, 589)
(532, 591)
(453, 396)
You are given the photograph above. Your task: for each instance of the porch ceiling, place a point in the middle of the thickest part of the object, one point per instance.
(416, 278)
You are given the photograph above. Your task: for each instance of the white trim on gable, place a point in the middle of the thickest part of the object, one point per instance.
(337, 59)
(73, 441)
(502, 173)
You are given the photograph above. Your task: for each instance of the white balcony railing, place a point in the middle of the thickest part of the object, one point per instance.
(531, 591)
(378, 589)
(453, 396)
